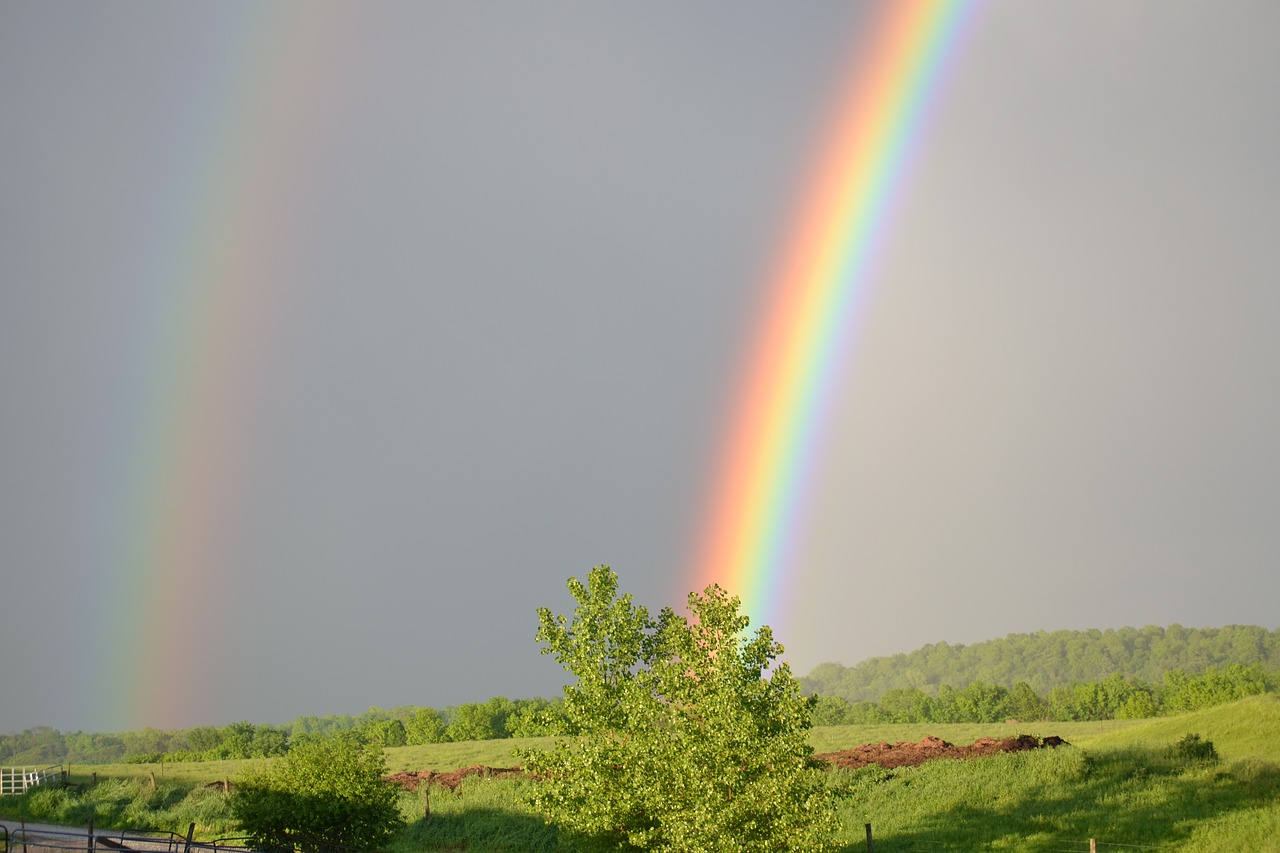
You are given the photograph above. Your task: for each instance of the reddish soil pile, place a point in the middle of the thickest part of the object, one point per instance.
(414, 779)
(907, 754)
(886, 755)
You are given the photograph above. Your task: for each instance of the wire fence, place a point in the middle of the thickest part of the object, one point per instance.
(39, 838)
(49, 839)
(1089, 845)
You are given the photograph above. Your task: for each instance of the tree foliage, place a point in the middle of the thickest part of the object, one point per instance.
(1049, 659)
(1114, 697)
(689, 736)
(325, 791)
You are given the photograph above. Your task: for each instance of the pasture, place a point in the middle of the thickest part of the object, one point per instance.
(1121, 782)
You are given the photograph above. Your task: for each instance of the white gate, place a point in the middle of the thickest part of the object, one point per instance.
(16, 780)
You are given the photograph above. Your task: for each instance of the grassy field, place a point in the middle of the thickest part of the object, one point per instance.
(1121, 783)
(184, 772)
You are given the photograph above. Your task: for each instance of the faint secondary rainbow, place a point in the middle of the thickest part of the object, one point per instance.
(214, 266)
(797, 352)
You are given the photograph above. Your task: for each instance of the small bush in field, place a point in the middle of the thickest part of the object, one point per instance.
(1193, 748)
(326, 791)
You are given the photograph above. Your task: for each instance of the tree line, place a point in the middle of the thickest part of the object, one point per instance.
(1059, 675)
(1114, 697)
(406, 725)
(1049, 659)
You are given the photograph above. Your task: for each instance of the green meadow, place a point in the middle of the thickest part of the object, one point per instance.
(1123, 783)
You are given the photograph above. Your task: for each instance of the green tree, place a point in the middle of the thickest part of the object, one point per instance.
(425, 726)
(691, 737)
(386, 732)
(980, 702)
(908, 705)
(324, 791)
(536, 718)
(831, 711)
(1024, 704)
(474, 721)
(1137, 706)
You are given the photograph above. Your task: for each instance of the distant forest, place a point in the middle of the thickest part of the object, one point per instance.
(1046, 660)
(408, 725)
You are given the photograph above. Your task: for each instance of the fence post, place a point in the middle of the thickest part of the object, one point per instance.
(191, 832)
(91, 832)
(870, 846)
(1093, 845)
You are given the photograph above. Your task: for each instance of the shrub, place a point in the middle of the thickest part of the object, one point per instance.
(1193, 748)
(324, 791)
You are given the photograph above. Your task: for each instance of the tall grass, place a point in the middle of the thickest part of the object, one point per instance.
(481, 815)
(184, 772)
(126, 804)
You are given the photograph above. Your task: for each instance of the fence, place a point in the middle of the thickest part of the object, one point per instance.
(49, 839)
(39, 838)
(16, 780)
(1092, 845)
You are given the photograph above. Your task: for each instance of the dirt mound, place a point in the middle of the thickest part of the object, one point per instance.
(887, 755)
(412, 780)
(906, 754)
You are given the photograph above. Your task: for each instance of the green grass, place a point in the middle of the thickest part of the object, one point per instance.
(1119, 783)
(498, 753)
(185, 772)
(451, 756)
(481, 815)
(1241, 731)
(1059, 799)
(126, 804)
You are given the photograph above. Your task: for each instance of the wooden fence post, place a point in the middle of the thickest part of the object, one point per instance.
(1093, 845)
(870, 847)
(191, 831)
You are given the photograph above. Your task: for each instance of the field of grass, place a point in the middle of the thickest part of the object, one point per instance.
(184, 772)
(451, 756)
(1121, 783)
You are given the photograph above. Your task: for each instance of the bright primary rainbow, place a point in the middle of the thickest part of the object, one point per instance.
(214, 278)
(775, 422)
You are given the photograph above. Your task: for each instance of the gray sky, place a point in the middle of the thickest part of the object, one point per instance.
(448, 299)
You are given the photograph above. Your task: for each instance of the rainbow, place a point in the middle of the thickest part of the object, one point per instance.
(212, 275)
(761, 478)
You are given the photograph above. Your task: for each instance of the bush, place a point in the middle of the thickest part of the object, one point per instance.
(1193, 748)
(323, 792)
(690, 737)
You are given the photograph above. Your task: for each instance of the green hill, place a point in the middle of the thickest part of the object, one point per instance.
(1048, 659)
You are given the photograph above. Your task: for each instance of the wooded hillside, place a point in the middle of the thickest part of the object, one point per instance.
(1048, 659)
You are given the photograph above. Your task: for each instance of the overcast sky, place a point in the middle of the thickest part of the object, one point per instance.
(443, 304)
